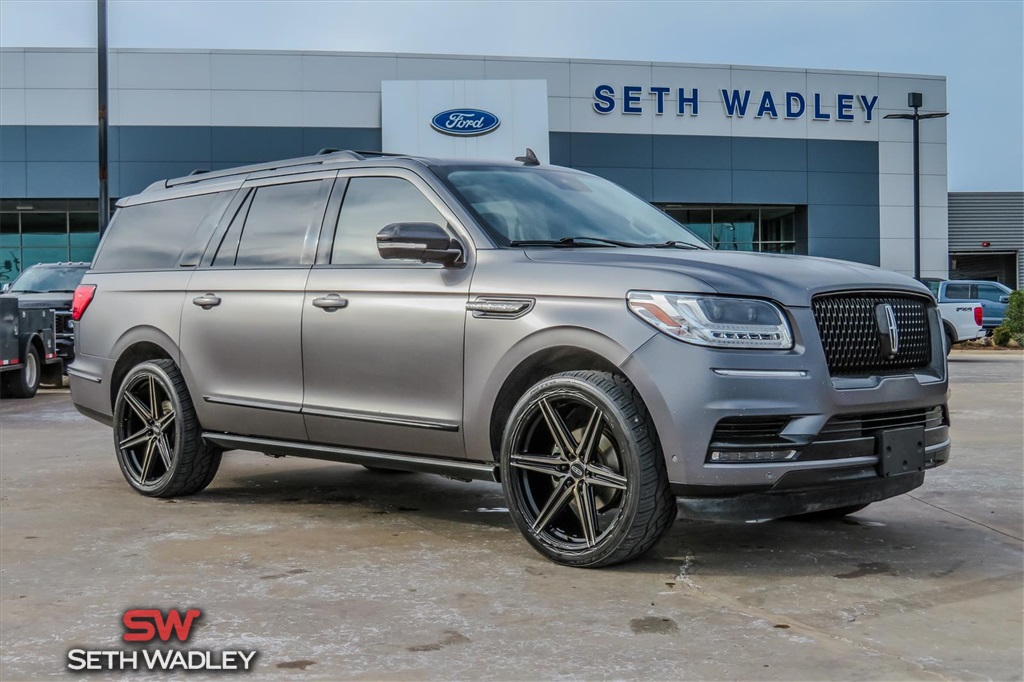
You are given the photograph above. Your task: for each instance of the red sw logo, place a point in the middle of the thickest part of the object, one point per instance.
(142, 625)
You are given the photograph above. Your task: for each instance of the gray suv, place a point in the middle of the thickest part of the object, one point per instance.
(515, 322)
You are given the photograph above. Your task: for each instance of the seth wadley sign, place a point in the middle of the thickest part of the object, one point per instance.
(738, 103)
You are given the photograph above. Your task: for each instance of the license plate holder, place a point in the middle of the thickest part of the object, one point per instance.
(901, 451)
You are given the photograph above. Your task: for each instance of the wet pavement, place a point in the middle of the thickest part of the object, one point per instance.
(331, 571)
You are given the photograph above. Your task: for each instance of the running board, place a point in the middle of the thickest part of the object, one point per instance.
(451, 468)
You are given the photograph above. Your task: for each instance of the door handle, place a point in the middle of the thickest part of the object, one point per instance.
(206, 301)
(330, 302)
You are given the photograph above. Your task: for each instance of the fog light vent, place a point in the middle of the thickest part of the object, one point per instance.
(731, 456)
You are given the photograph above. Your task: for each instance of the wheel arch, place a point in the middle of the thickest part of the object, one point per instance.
(135, 346)
(539, 355)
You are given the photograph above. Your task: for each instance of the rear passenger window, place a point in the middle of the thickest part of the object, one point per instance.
(275, 228)
(152, 236)
(958, 291)
(369, 205)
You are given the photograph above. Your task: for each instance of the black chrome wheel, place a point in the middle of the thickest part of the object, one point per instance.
(577, 460)
(156, 433)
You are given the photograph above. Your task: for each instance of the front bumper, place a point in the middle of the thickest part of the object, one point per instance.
(689, 389)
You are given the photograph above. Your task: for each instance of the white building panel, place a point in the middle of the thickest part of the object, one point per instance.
(708, 81)
(834, 129)
(898, 157)
(163, 70)
(831, 84)
(12, 107)
(341, 109)
(432, 68)
(75, 69)
(893, 89)
(256, 108)
(347, 73)
(751, 126)
(555, 72)
(408, 107)
(164, 107)
(12, 69)
(559, 114)
(587, 75)
(778, 81)
(256, 71)
(62, 107)
(585, 120)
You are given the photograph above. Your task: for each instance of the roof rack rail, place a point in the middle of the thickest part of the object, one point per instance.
(365, 153)
(199, 171)
(255, 168)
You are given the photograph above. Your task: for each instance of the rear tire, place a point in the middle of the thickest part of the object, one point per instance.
(582, 470)
(23, 383)
(157, 437)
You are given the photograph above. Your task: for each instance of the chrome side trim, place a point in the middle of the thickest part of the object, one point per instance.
(83, 375)
(462, 469)
(380, 419)
(498, 307)
(763, 373)
(254, 404)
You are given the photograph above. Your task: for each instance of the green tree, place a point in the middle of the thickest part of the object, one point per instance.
(1014, 320)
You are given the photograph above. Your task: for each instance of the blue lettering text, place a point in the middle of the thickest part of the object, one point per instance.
(820, 115)
(684, 100)
(797, 98)
(767, 106)
(659, 98)
(733, 103)
(845, 105)
(869, 106)
(631, 97)
(605, 96)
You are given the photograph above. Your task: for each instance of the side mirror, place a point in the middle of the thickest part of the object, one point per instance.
(1004, 299)
(5, 287)
(425, 242)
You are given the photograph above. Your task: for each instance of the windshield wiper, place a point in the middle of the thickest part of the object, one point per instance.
(673, 244)
(573, 241)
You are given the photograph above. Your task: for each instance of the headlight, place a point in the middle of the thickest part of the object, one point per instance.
(713, 320)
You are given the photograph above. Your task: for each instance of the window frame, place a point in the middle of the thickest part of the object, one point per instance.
(239, 209)
(455, 227)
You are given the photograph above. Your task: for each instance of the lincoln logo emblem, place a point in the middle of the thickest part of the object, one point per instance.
(888, 332)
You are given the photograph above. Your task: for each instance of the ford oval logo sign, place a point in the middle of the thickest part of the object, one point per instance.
(465, 122)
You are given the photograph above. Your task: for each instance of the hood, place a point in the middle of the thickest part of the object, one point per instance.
(58, 300)
(790, 280)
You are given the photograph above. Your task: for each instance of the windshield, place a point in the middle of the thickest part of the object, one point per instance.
(547, 205)
(38, 280)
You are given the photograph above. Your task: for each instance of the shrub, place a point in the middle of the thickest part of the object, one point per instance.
(1001, 336)
(1014, 320)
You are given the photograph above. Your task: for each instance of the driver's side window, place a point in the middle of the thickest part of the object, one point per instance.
(371, 203)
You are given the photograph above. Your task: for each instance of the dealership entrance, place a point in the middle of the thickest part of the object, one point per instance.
(994, 267)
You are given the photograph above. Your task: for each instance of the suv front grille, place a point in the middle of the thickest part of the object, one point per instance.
(850, 334)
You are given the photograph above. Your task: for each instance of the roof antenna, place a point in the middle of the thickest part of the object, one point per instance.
(530, 159)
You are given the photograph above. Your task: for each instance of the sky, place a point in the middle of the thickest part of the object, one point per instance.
(978, 45)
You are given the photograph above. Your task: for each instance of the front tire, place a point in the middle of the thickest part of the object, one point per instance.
(582, 470)
(157, 437)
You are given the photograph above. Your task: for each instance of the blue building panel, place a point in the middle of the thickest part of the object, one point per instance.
(62, 143)
(13, 182)
(859, 250)
(769, 154)
(842, 156)
(599, 150)
(61, 179)
(135, 176)
(165, 143)
(252, 145)
(12, 143)
(853, 189)
(769, 187)
(684, 186)
(843, 222)
(692, 151)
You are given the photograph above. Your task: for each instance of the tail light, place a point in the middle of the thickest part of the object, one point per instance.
(83, 297)
(977, 315)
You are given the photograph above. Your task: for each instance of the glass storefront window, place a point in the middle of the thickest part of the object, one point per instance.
(46, 231)
(769, 229)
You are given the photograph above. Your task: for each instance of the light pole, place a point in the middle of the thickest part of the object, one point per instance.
(914, 101)
(102, 118)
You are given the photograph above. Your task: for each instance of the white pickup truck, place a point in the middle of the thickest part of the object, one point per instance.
(962, 321)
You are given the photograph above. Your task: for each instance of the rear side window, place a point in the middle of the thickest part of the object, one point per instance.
(958, 291)
(278, 219)
(370, 204)
(152, 236)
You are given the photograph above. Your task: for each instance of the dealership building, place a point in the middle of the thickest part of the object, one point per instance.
(763, 159)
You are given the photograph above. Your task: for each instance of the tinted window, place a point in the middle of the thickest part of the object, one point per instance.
(370, 204)
(958, 291)
(990, 293)
(152, 236)
(279, 217)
